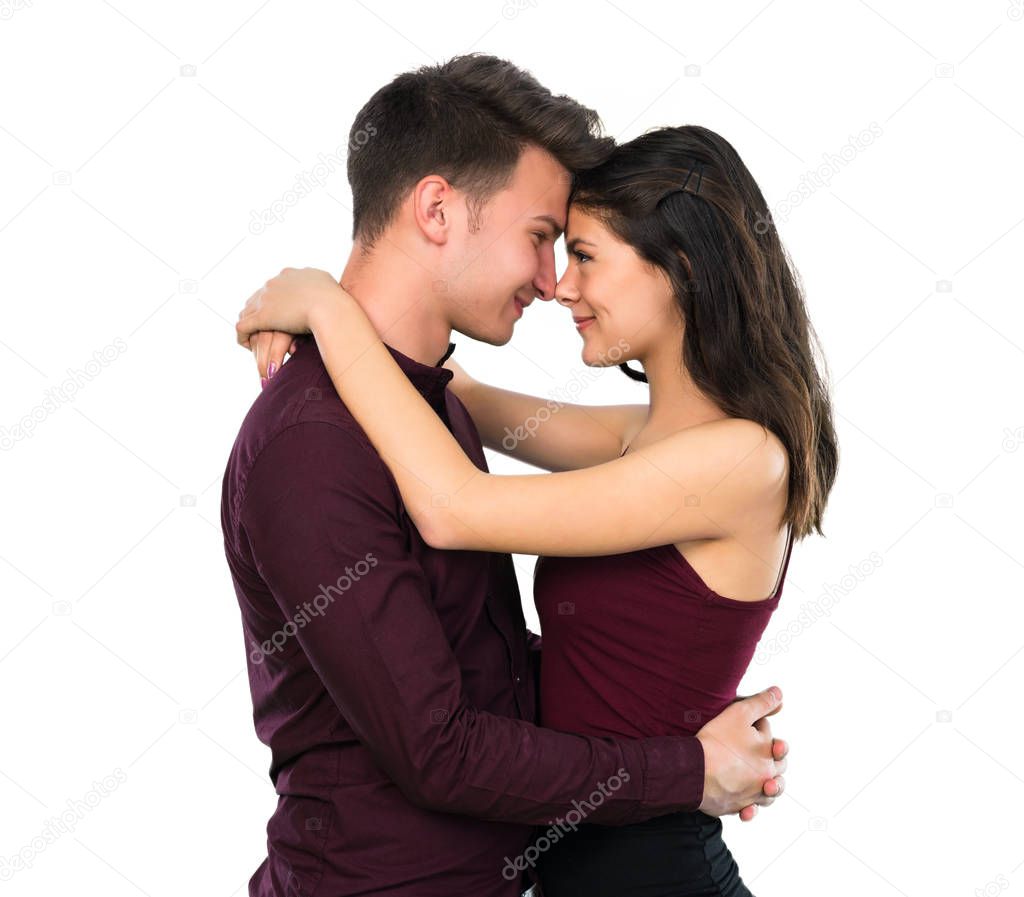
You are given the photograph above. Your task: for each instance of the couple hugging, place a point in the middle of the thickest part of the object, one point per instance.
(424, 742)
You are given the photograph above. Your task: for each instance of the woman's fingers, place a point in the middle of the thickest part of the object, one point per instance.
(243, 335)
(278, 348)
(245, 327)
(262, 341)
(270, 347)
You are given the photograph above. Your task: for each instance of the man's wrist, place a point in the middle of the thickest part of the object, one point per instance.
(674, 774)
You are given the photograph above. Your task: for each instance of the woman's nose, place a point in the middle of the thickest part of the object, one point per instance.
(565, 292)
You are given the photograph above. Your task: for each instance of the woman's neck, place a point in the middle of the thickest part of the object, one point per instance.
(675, 400)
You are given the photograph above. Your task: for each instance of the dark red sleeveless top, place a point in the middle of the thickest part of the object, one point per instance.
(637, 645)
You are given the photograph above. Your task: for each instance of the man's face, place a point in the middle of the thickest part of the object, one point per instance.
(493, 272)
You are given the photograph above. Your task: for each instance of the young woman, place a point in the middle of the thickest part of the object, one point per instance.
(665, 535)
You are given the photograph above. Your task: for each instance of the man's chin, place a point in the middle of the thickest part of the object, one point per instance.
(494, 339)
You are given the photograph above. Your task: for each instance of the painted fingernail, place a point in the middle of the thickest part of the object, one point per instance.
(263, 382)
(271, 369)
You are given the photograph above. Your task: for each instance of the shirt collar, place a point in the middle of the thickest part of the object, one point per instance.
(429, 380)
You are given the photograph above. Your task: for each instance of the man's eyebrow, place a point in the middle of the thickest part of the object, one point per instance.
(556, 229)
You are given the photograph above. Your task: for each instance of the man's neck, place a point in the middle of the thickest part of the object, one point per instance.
(396, 293)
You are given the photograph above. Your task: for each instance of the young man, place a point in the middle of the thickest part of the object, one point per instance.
(394, 683)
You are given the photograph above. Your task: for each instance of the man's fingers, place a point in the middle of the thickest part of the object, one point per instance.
(765, 703)
(777, 707)
(775, 787)
(779, 748)
(748, 813)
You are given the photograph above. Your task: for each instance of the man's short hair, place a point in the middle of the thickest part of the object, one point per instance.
(468, 120)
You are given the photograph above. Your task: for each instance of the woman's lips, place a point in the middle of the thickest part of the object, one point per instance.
(583, 323)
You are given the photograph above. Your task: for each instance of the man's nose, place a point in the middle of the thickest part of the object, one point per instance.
(545, 282)
(544, 288)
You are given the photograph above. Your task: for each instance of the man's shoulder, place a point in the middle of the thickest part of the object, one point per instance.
(295, 399)
(296, 413)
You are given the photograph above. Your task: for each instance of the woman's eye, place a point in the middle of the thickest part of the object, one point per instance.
(580, 256)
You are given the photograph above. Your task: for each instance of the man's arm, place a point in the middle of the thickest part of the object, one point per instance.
(546, 432)
(314, 516)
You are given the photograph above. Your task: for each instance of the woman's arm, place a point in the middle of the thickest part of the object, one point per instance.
(694, 484)
(547, 433)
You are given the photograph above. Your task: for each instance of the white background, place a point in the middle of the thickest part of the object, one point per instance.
(127, 186)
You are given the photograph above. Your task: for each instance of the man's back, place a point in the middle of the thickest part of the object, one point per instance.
(330, 576)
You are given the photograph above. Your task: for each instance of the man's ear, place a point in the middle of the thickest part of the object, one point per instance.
(432, 201)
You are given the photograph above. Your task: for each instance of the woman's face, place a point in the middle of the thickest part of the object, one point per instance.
(628, 302)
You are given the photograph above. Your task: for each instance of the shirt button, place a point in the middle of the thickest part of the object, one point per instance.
(519, 679)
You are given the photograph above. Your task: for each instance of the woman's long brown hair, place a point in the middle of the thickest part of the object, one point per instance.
(748, 343)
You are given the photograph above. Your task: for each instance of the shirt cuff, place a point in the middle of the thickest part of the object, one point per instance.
(673, 775)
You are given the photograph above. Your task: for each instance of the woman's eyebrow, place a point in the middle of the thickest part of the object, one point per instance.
(571, 244)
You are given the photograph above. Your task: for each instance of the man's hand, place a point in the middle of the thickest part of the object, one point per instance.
(743, 764)
(773, 787)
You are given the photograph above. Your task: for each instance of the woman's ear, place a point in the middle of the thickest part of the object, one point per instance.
(686, 263)
(431, 198)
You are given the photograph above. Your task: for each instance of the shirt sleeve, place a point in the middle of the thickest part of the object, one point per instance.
(322, 514)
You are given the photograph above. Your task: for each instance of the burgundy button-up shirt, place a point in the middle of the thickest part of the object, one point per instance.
(394, 683)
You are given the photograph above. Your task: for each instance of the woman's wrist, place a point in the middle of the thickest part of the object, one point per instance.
(328, 308)
(342, 330)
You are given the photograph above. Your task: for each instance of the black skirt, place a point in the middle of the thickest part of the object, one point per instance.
(677, 855)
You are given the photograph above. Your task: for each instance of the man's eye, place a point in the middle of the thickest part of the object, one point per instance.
(540, 236)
